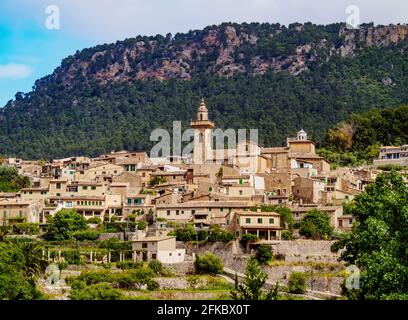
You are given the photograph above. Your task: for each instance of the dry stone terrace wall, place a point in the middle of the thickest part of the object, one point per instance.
(306, 251)
(309, 256)
(294, 251)
(181, 269)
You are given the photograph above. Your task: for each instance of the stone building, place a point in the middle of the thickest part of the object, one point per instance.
(265, 225)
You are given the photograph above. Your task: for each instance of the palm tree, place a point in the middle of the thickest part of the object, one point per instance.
(34, 263)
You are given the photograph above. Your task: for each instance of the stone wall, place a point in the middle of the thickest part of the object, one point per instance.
(293, 251)
(183, 268)
(309, 256)
(117, 235)
(306, 251)
(172, 283)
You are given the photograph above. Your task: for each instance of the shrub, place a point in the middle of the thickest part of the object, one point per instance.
(214, 283)
(86, 235)
(390, 167)
(16, 220)
(123, 280)
(72, 256)
(287, 235)
(263, 254)
(202, 235)
(297, 282)
(193, 281)
(186, 233)
(131, 217)
(153, 285)
(225, 236)
(94, 220)
(142, 225)
(62, 265)
(99, 291)
(208, 264)
(125, 265)
(114, 244)
(248, 237)
(218, 234)
(142, 276)
(26, 228)
(92, 277)
(156, 266)
(156, 180)
(147, 191)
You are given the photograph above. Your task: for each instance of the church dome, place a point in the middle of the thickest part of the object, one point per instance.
(302, 135)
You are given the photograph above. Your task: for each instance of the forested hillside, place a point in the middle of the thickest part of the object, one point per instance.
(361, 136)
(264, 76)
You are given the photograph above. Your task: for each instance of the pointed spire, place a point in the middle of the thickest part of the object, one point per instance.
(202, 107)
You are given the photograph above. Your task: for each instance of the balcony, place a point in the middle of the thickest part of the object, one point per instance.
(202, 123)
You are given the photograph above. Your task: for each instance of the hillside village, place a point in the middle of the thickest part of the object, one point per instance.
(234, 203)
(117, 186)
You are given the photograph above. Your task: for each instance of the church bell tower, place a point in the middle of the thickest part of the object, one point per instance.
(202, 135)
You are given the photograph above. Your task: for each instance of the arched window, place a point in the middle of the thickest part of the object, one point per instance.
(201, 116)
(200, 137)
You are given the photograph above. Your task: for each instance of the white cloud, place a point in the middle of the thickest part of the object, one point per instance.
(15, 71)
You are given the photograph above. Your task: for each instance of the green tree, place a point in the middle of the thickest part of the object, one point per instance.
(216, 233)
(26, 228)
(142, 276)
(156, 266)
(263, 254)
(252, 286)
(34, 264)
(11, 181)
(64, 223)
(248, 237)
(377, 244)
(208, 264)
(20, 266)
(297, 282)
(94, 220)
(315, 225)
(185, 233)
(286, 216)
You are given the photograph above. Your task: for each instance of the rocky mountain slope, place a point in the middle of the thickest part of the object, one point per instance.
(225, 50)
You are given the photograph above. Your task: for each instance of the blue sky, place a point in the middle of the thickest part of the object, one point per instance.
(29, 51)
